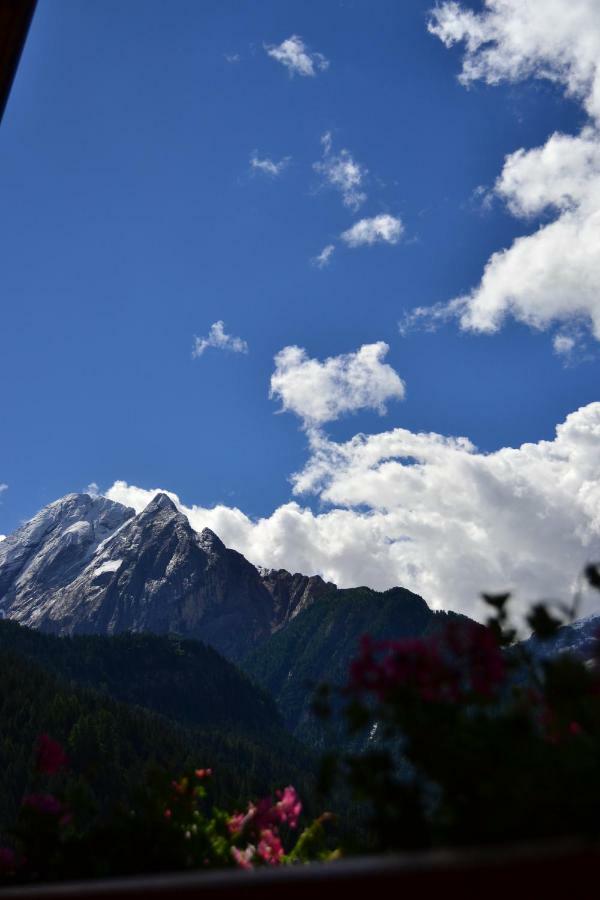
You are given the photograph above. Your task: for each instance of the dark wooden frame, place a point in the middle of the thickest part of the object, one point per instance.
(15, 19)
(550, 870)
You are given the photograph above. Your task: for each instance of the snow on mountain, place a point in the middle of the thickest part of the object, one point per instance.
(46, 553)
(579, 637)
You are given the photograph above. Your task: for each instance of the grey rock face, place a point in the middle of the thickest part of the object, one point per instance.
(292, 593)
(47, 552)
(579, 638)
(109, 570)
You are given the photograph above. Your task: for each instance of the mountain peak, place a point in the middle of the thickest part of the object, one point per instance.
(208, 540)
(53, 547)
(161, 501)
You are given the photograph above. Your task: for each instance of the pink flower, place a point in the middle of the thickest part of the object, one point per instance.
(288, 806)
(239, 821)
(270, 848)
(243, 858)
(463, 660)
(50, 755)
(260, 824)
(236, 823)
(203, 773)
(46, 804)
(265, 814)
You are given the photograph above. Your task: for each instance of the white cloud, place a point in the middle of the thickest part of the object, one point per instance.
(268, 166)
(320, 392)
(233, 57)
(564, 344)
(342, 172)
(92, 489)
(295, 56)
(324, 256)
(551, 276)
(220, 340)
(380, 229)
(431, 513)
(512, 39)
(2, 537)
(428, 318)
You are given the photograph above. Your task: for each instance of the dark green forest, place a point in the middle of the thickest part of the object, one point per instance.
(183, 679)
(185, 707)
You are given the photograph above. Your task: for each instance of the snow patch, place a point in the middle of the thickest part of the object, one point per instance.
(111, 565)
(78, 528)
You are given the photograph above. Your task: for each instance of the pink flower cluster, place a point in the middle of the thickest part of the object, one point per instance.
(260, 826)
(462, 661)
(50, 759)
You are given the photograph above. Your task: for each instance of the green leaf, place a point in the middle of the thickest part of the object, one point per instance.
(592, 574)
(497, 601)
(543, 623)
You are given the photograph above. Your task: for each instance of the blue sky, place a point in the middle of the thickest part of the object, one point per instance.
(131, 220)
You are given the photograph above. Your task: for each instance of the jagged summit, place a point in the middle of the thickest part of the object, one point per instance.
(210, 541)
(160, 501)
(87, 564)
(293, 593)
(51, 548)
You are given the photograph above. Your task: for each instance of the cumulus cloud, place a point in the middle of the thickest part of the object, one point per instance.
(295, 56)
(218, 338)
(324, 257)
(342, 172)
(384, 229)
(512, 40)
(551, 276)
(268, 166)
(320, 392)
(431, 513)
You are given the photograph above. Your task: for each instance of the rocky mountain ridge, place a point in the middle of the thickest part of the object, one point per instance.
(50, 549)
(579, 638)
(89, 565)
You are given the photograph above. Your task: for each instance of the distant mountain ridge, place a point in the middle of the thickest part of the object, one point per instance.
(88, 565)
(320, 643)
(579, 638)
(183, 680)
